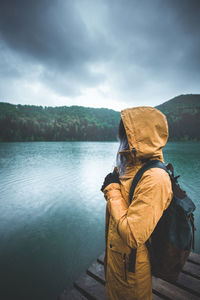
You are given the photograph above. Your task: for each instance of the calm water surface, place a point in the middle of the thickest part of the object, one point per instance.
(52, 210)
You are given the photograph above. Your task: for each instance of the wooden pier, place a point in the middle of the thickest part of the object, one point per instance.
(91, 285)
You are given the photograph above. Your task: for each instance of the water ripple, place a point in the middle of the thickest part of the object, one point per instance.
(53, 213)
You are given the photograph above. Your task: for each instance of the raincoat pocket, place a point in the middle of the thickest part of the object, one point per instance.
(117, 262)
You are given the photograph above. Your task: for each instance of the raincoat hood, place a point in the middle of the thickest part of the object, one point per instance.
(146, 130)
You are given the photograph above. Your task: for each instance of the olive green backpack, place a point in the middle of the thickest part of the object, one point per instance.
(173, 237)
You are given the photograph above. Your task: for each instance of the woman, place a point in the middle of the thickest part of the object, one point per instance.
(143, 131)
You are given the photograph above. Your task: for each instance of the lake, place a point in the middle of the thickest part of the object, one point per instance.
(52, 212)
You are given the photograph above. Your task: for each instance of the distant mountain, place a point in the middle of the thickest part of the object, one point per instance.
(183, 115)
(77, 123)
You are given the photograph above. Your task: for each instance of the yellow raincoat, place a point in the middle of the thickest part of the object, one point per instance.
(130, 226)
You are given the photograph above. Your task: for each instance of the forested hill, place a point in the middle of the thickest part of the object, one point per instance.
(77, 123)
(183, 115)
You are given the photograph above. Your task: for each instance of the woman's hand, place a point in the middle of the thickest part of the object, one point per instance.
(110, 178)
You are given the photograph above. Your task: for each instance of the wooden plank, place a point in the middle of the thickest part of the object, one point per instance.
(90, 288)
(171, 291)
(96, 270)
(73, 294)
(189, 283)
(192, 269)
(100, 259)
(194, 257)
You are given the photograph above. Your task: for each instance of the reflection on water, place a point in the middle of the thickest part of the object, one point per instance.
(52, 210)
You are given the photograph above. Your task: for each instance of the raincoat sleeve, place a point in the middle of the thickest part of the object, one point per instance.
(152, 196)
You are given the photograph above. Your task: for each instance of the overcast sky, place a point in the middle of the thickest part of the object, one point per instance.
(98, 53)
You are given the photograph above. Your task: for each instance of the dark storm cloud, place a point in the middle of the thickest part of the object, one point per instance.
(132, 45)
(160, 41)
(51, 33)
(47, 30)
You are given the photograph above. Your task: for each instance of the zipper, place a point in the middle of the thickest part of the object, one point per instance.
(191, 218)
(124, 261)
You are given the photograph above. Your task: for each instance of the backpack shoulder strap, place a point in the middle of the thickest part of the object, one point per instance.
(149, 165)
